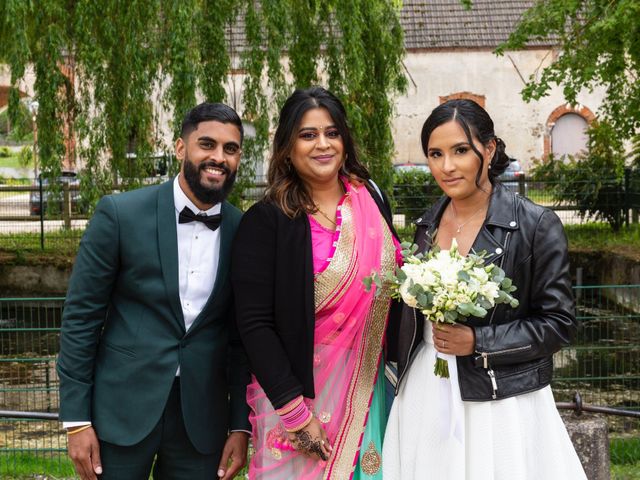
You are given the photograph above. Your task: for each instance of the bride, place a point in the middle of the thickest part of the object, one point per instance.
(495, 417)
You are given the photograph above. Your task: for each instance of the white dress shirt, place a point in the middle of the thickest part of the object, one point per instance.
(198, 248)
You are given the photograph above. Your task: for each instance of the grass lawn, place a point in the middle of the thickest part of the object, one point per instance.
(24, 248)
(57, 466)
(625, 472)
(13, 161)
(28, 465)
(600, 237)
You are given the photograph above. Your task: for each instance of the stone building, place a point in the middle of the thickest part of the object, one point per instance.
(450, 55)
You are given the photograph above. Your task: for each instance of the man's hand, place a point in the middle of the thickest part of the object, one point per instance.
(235, 449)
(84, 450)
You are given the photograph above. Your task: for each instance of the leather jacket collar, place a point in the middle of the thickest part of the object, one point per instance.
(501, 215)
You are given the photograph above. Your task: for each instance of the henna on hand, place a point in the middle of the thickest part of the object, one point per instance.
(305, 443)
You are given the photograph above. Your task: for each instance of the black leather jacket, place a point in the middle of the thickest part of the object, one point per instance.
(514, 347)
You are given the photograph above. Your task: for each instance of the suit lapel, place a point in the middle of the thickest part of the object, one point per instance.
(168, 243)
(226, 237)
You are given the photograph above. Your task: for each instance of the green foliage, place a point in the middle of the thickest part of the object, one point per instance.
(413, 191)
(599, 46)
(600, 237)
(18, 465)
(625, 450)
(20, 127)
(594, 182)
(129, 57)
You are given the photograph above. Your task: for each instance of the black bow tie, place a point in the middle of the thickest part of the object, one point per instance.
(211, 221)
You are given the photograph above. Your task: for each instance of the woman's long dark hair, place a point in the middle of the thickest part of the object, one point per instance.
(285, 187)
(476, 122)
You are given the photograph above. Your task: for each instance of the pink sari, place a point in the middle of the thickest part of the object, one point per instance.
(349, 335)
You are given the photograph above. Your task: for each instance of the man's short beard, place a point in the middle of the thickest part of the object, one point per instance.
(208, 195)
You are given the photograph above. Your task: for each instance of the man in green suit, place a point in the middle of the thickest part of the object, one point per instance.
(152, 372)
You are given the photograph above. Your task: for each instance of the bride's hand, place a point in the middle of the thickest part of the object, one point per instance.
(453, 339)
(312, 441)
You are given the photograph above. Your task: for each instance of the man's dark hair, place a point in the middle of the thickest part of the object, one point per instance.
(204, 112)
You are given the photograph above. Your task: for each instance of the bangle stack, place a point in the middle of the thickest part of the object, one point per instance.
(295, 415)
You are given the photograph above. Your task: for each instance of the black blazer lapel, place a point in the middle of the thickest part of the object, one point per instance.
(168, 248)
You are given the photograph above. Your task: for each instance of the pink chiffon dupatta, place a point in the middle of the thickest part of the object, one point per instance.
(348, 339)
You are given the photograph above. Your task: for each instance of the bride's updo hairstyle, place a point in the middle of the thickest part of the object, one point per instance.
(476, 123)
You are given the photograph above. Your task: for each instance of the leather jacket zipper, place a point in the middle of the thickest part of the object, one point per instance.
(494, 384)
(504, 248)
(413, 339)
(492, 376)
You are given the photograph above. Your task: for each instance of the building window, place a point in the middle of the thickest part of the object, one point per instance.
(479, 99)
(566, 130)
(569, 135)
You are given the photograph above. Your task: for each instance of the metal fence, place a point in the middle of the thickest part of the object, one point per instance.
(413, 192)
(603, 364)
(29, 340)
(38, 216)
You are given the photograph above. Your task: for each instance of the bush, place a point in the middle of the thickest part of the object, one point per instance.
(21, 130)
(413, 191)
(593, 182)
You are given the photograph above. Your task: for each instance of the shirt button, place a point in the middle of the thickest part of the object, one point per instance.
(512, 224)
(196, 237)
(498, 250)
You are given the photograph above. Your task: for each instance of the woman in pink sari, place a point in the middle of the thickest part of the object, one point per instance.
(314, 337)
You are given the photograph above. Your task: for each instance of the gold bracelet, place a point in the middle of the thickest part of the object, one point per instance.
(77, 430)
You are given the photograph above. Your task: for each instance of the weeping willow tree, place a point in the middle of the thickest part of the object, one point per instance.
(110, 69)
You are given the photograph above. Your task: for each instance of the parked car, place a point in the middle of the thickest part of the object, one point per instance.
(409, 166)
(67, 177)
(510, 178)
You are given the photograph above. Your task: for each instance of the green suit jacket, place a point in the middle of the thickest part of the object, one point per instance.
(123, 333)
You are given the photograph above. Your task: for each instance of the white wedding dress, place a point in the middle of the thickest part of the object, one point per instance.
(433, 435)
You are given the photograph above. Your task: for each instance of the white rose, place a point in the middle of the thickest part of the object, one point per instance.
(490, 291)
(406, 296)
(480, 274)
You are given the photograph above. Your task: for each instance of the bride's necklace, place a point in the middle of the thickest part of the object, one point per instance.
(455, 216)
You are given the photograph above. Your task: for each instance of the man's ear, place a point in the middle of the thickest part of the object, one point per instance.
(180, 149)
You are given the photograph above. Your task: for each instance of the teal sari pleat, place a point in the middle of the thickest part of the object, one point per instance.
(371, 450)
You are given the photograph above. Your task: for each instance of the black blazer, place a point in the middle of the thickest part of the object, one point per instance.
(272, 278)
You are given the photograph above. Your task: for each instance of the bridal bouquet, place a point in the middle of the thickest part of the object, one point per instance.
(447, 287)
